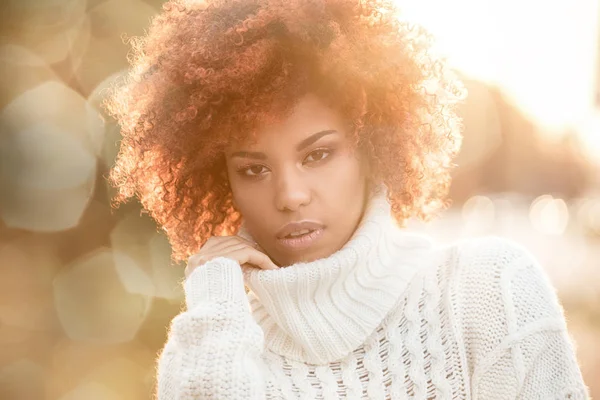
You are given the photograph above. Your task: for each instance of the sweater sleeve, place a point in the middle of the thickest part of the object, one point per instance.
(214, 348)
(526, 352)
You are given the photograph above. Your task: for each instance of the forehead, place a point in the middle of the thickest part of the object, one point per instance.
(309, 116)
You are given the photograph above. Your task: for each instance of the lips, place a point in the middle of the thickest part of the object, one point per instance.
(301, 242)
(294, 228)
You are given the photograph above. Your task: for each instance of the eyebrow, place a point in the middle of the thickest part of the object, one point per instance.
(302, 145)
(313, 138)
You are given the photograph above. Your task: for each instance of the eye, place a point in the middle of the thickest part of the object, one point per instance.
(319, 154)
(251, 171)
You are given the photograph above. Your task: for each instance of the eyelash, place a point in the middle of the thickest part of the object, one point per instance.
(242, 170)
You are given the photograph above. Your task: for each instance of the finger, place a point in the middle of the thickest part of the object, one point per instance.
(267, 260)
(229, 251)
(249, 243)
(222, 251)
(215, 244)
(252, 256)
(232, 247)
(219, 243)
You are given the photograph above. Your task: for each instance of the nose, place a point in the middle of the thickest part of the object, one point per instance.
(291, 192)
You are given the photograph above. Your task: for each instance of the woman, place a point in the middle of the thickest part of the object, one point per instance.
(282, 145)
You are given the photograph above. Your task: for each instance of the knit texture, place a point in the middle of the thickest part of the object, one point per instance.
(391, 315)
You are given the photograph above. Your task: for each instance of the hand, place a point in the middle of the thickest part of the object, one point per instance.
(239, 249)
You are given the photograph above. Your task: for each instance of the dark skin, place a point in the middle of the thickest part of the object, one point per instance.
(301, 168)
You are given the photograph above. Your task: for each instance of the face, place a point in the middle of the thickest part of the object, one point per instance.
(301, 169)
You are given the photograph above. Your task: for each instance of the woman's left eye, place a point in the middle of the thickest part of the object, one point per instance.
(320, 155)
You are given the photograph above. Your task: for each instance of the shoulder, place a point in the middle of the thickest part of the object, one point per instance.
(488, 252)
(485, 262)
(499, 291)
(494, 262)
(499, 272)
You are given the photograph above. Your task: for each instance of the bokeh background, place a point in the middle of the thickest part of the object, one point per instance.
(87, 293)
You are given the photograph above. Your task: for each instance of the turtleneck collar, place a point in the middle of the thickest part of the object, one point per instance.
(318, 312)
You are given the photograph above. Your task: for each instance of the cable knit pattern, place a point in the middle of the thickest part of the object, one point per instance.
(391, 315)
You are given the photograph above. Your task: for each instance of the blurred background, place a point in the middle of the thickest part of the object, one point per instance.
(87, 293)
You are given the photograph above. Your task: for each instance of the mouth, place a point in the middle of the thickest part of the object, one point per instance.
(299, 235)
(301, 239)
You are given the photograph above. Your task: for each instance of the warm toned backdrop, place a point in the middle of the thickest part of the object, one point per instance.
(86, 293)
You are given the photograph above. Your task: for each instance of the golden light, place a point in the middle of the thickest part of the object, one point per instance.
(589, 129)
(28, 267)
(588, 214)
(595, 217)
(51, 173)
(23, 379)
(549, 215)
(542, 54)
(106, 51)
(93, 303)
(112, 134)
(53, 30)
(91, 391)
(79, 367)
(479, 213)
(136, 239)
(22, 70)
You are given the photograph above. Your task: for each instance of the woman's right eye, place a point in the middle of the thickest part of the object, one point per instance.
(251, 171)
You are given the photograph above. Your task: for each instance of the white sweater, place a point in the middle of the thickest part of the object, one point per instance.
(391, 315)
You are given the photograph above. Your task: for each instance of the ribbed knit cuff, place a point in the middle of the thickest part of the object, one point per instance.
(219, 279)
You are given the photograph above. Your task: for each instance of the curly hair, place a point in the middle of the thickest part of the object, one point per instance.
(207, 73)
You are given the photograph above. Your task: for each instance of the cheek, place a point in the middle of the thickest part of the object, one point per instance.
(246, 202)
(347, 173)
(346, 187)
(252, 203)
